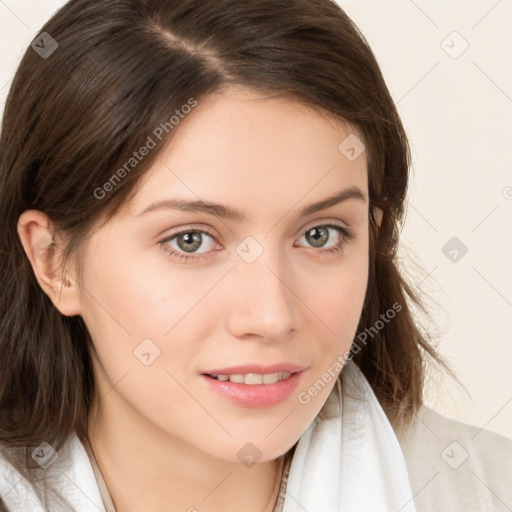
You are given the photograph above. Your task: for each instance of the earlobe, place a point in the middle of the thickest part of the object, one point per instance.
(43, 250)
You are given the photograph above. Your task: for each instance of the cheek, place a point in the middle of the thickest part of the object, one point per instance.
(337, 296)
(141, 295)
(339, 311)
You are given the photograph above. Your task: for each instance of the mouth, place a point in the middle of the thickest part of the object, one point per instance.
(254, 390)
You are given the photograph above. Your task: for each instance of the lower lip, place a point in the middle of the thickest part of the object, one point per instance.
(255, 395)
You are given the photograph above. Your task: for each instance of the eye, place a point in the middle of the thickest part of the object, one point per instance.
(319, 235)
(188, 240)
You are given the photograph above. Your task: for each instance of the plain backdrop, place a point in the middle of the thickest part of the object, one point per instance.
(448, 66)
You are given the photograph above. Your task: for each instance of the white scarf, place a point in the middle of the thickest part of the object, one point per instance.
(350, 462)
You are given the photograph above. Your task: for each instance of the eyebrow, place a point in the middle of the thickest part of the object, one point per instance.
(226, 212)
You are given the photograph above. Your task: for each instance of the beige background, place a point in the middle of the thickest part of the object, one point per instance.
(457, 109)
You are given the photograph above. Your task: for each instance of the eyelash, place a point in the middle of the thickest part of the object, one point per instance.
(346, 232)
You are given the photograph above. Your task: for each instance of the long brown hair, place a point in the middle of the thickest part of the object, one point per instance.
(74, 117)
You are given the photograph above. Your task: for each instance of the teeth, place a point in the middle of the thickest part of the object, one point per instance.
(253, 378)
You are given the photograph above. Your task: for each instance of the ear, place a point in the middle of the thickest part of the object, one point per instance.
(377, 215)
(44, 250)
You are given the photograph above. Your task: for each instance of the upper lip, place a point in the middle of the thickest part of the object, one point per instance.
(257, 368)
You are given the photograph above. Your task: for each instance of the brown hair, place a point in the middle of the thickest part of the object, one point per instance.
(121, 68)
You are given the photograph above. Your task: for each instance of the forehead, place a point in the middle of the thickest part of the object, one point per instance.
(244, 148)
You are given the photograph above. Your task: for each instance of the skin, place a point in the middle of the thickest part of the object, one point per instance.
(163, 440)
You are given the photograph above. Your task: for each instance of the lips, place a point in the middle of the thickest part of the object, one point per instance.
(252, 394)
(247, 390)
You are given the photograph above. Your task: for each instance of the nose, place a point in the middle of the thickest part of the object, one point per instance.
(262, 299)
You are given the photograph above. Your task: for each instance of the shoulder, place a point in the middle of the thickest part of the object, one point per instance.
(454, 466)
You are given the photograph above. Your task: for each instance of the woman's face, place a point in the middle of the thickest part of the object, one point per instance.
(264, 290)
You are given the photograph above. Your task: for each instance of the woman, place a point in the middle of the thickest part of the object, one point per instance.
(202, 309)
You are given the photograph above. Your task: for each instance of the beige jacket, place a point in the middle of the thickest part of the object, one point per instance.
(456, 467)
